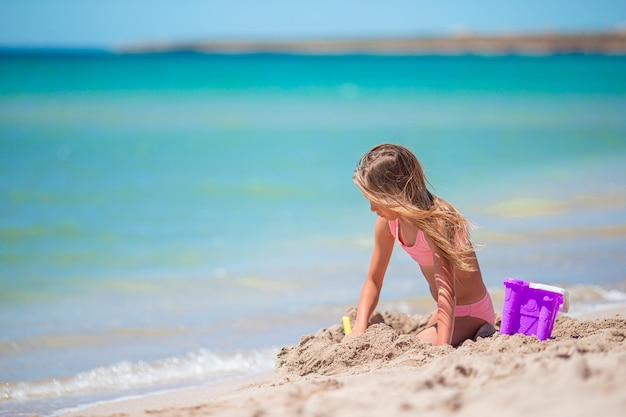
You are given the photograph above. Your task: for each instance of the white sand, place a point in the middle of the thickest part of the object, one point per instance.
(581, 371)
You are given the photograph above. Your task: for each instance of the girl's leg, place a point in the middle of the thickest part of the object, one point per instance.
(429, 335)
(464, 328)
(433, 319)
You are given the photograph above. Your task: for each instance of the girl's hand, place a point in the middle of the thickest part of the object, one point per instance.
(352, 335)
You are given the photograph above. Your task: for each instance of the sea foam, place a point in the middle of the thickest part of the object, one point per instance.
(203, 365)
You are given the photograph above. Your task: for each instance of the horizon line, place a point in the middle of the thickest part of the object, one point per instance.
(461, 42)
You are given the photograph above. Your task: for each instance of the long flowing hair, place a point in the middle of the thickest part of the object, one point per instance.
(391, 176)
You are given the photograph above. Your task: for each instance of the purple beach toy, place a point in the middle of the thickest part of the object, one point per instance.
(531, 308)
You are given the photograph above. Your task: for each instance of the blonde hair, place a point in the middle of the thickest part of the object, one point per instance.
(390, 176)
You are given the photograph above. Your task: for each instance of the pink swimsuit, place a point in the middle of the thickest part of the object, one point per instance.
(422, 254)
(420, 251)
(482, 309)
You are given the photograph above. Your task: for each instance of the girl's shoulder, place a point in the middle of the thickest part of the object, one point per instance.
(384, 225)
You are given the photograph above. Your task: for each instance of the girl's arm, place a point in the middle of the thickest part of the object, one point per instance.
(446, 296)
(383, 247)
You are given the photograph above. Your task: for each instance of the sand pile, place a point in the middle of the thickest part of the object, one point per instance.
(580, 371)
(391, 341)
(390, 336)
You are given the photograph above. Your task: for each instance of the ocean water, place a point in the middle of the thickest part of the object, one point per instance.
(174, 219)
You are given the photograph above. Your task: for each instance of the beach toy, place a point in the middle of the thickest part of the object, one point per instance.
(531, 308)
(347, 328)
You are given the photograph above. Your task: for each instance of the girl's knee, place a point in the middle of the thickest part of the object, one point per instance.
(428, 335)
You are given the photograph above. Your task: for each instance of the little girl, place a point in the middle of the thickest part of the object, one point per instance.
(434, 234)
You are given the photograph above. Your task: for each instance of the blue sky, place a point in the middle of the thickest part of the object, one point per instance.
(110, 23)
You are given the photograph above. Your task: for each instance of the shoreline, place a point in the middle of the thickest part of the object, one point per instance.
(547, 43)
(533, 44)
(183, 397)
(583, 365)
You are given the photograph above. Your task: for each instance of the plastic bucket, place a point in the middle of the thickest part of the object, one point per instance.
(531, 308)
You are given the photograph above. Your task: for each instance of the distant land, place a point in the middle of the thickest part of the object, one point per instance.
(546, 43)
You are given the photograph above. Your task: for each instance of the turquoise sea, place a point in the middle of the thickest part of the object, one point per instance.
(173, 219)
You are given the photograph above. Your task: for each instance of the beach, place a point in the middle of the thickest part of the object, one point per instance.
(181, 233)
(578, 372)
